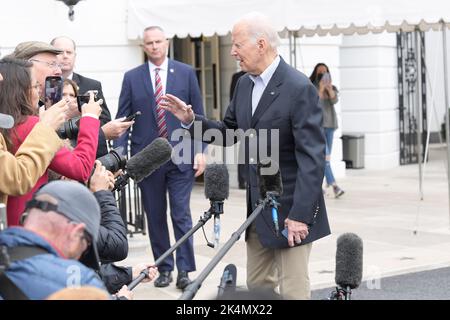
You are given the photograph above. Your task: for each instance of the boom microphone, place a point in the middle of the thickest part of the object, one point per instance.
(349, 260)
(145, 162)
(216, 182)
(349, 266)
(216, 190)
(269, 183)
(271, 187)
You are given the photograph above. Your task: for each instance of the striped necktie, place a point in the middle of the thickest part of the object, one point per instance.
(160, 112)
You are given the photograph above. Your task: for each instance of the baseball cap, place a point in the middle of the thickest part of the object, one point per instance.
(78, 204)
(6, 121)
(28, 49)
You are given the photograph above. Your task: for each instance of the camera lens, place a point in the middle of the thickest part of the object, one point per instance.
(69, 129)
(114, 160)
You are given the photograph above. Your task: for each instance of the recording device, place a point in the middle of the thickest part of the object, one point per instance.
(53, 90)
(216, 190)
(114, 160)
(349, 266)
(3, 217)
(271, 187)
(143, 163)
(6, 121)
(325, 77)
(82, 99)
(69, 129)
(228, 281)
(132, 117)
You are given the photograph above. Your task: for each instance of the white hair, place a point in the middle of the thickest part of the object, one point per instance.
(259, 25)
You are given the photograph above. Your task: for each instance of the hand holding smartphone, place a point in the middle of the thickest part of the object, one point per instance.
(82, 99)
(326, 78)
(53, 90)
(132, 117)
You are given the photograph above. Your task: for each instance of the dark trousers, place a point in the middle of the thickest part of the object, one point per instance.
(178, 185)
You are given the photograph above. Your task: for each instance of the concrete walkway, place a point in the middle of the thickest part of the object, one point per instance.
(401, 234)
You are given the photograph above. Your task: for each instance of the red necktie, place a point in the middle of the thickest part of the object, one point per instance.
(160, 112)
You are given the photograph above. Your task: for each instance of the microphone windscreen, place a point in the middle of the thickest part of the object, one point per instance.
(349, 260)
(216, 182)
(269, 182)
(143, 163)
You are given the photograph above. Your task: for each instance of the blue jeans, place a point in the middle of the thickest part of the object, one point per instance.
(329, 132)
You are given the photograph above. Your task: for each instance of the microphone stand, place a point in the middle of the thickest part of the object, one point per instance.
(215, 209)
(341, 293)
(192, 289)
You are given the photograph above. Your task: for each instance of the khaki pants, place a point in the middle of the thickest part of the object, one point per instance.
(286, 268)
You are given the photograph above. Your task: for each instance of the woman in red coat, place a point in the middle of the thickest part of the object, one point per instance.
(20, 99)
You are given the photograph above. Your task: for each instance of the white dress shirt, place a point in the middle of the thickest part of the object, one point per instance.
(261, 81)
(162, 74)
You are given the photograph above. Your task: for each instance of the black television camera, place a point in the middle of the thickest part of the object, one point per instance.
(114, 160)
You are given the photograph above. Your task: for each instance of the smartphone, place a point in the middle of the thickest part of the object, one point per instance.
(326, 78)
(132, 117)
(82, 99)
(53, 90)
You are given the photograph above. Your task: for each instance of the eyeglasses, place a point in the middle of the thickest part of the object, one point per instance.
(54, 65)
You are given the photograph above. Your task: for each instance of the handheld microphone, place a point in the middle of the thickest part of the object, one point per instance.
(3, 217)
(6, 121)
(145, 162)
(271, 186)
(216, 190)
(228, 280)
(349, 264)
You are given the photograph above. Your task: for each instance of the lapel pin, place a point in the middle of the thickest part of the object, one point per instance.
(272, 93)
(171, 70)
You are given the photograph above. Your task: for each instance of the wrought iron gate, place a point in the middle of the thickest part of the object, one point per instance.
(408, 75)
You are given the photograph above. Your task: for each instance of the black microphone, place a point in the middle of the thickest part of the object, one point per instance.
(228, 280)
(271, 186)
(349, 264)
(216, 190)
(145, 162)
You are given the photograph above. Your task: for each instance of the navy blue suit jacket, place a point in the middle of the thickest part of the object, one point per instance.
(290, 104)
(137, 95)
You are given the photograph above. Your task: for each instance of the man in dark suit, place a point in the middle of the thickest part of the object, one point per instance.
(274, 96)
(142, 90)
(110, 129)
(67, 60)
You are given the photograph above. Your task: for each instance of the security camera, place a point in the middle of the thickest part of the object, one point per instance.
(70, 4)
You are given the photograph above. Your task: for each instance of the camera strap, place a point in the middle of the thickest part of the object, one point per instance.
(8, 290)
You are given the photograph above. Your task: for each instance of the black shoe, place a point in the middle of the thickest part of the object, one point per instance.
(164, 279)
(183, 280)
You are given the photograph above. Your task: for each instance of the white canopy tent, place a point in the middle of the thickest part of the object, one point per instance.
(307, 18)
(318, 17)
